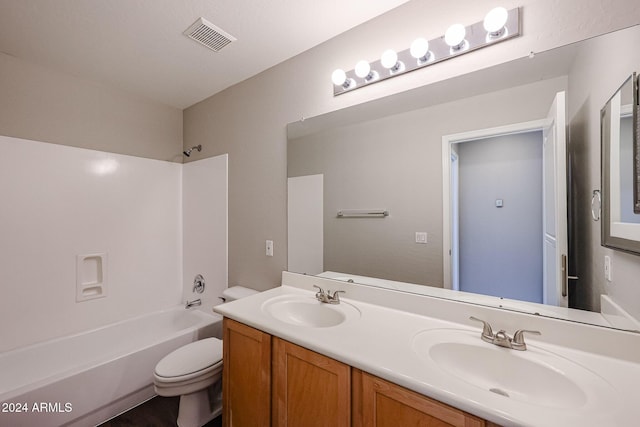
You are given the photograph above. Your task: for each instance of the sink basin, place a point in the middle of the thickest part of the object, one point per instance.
(307, 311)
(535, 377)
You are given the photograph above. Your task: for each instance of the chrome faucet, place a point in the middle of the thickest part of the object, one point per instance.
(326, 297)
(501, 338)
(194, 303)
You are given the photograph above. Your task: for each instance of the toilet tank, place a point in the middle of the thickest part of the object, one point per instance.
(236, 292)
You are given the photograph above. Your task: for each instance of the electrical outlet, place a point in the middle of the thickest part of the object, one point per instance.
(269, 247)
(421, 237)
(607, 268)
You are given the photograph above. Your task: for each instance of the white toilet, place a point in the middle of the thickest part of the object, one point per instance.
(194, 372)
(190, 372)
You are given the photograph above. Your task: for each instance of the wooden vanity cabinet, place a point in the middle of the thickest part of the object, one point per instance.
(309, 389)
(379, 403)
(246, 376)
(270, 381)
(300, 387)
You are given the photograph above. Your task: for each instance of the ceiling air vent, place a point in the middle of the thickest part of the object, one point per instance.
(204, 32)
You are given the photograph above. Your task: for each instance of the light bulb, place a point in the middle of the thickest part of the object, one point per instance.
(495, 20)
(389, 59)
(454, 36)
(363, 69)
(339, 77)
(420, 49)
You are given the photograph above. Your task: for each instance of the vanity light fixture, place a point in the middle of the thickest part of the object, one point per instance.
(455, 38)
(389, 60)
(420, 50)
(363, 70)
(339, 78)
(494, 23)
(498, 25)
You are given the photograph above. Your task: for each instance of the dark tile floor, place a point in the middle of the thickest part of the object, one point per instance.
(157, 412)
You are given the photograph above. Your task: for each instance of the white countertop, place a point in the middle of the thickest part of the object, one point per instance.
(380, 342)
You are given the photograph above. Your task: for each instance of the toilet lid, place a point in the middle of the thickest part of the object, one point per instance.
(190, 358)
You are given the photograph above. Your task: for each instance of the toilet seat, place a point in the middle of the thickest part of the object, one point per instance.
(194, 360)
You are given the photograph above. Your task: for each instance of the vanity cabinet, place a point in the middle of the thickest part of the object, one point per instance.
(309, 389)
(379, 403)
(246, 376)
(270, 381)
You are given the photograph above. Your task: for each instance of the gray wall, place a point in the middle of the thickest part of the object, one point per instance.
(595, 76)
(395, 163)
(45, 105)
(501, 247)
(248, 120)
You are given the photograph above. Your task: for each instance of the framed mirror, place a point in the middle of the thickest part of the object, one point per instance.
(619, 137)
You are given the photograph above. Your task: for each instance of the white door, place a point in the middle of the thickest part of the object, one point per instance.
(305, 222)
(555, 245)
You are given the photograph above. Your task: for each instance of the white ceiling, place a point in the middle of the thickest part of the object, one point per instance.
(138, 45)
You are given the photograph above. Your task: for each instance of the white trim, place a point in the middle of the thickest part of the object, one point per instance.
(474, 135)
(455, 232)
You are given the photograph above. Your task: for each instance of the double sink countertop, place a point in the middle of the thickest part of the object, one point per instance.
(571, 375)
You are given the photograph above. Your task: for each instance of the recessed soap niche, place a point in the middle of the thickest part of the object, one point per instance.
(91, 276)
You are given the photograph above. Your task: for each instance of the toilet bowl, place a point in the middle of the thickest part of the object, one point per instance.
(194, 372)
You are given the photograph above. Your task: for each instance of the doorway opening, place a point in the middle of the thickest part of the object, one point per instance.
(497, 215)
(494, 187)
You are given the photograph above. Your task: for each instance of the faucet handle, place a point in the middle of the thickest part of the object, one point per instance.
(487, 332)
(518, 338)
(320, 290)
(335, 298)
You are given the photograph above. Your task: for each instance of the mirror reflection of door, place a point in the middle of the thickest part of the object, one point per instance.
(555, 237)
(508, 210)
(500, 216)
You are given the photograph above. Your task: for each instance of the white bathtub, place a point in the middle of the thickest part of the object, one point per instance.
(85, 379)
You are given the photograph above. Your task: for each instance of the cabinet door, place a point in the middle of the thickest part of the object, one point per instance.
(246, 376)
(309, 389)
(378, 403)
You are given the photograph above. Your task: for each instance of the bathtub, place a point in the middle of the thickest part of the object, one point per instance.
(88, 378)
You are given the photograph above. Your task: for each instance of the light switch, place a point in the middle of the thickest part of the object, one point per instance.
(421, 237)
(498, 203)
(607, 268)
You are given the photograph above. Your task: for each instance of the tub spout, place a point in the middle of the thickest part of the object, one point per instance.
(194, 303)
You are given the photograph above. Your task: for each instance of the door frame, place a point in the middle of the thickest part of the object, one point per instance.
(470, 136)
(454, 193)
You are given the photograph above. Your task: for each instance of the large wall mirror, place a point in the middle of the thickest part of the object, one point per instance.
(373, 187)
(619, 134)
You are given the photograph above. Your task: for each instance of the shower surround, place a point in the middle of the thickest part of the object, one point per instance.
(60, 204)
